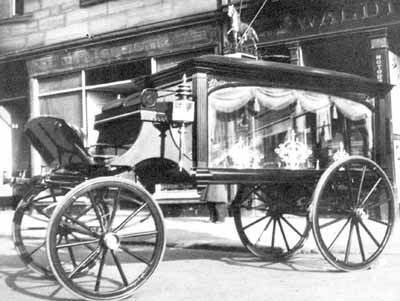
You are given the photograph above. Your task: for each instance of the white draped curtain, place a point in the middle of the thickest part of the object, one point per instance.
(230, 99)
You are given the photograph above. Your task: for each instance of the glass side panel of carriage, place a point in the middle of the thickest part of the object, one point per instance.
(265, 127)
(351, 211)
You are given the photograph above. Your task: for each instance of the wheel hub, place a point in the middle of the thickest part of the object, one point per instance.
(360, 213)
(111, 241)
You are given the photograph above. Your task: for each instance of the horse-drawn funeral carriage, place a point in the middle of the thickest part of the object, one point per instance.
(297, 143)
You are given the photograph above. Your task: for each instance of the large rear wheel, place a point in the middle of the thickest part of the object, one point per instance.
(353, 212)
(29, 226)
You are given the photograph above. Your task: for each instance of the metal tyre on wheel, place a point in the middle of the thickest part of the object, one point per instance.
(111, 245)
(353, 211)
(268, 223)
(29, 226)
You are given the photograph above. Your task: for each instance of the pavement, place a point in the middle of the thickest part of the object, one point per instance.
(199, 233)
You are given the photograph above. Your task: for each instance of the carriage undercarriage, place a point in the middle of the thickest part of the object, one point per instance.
(101, 235)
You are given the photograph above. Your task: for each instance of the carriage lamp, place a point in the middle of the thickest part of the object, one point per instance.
(148, 97)
(183, 106)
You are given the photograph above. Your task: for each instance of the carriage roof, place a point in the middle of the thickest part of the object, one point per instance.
(256, 72)
(272, 73)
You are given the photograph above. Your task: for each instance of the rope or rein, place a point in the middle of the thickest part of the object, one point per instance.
(252, 21)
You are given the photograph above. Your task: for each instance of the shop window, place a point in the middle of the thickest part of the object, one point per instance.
(6, 136)
(11, 8)
(115, 73)
(66, 106)
(18, 7)
(77, 97)
(60, 83)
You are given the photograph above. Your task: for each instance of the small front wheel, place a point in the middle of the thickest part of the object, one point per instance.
(353, 212)
(105, 239)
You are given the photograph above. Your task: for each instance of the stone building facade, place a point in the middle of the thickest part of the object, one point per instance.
(69, 57)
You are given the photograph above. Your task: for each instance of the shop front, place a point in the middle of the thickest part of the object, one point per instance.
(75, 84)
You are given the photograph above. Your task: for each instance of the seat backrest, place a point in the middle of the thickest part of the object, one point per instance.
(57, 142)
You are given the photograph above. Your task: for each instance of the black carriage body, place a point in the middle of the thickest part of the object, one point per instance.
(217, 82)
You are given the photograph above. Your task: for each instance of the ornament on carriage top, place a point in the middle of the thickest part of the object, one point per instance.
(292, 152)
(341, 153)
(240, 31)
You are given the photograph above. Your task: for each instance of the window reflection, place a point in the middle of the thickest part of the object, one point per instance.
(261, 127)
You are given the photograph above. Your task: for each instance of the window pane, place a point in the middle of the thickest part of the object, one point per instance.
(95, 101)
(19, 7)
(117, 72)
(261, 127)
(61, 82)
(66, 106)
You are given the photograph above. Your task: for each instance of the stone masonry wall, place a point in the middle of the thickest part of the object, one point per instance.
(48, 22)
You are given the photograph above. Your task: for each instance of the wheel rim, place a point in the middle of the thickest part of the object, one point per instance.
(271, 226)
(29, 226)
(353, 213)
(104, 252)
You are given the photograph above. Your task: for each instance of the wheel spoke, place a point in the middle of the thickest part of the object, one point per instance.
(336, 220)
(86, 230)
(361, 185)
(100, 272)
(370, 192)
(348, 247)
(130, 217)
(140, 234)
(373, 205)
(83, 264)
(360, 243)
(255, 222)
(37, 248)
(79, 243)
(283, 235)
(71, 252)
(138, 257)
(119, 267)
(378, 221)
(349, 179)
(369, 233)
(116, 201)
(260, 197)
(264, 230)
(291, 226)
(273, 234)
(338, 234)
(249, 194)
(96, 211)
(41, 212)
(33, 229)
(87, 209)
(77, 238)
